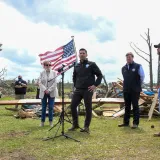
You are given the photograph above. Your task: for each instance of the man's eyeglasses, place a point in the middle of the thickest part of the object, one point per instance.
(82, 53)
(47, 65)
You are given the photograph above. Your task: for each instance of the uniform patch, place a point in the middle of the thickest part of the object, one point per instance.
(133, 69)
(87, 65)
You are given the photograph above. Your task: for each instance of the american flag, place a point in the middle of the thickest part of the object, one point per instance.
(62, 55)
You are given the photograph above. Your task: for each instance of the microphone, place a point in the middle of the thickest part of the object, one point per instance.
(65, 65)
(72, 65)
(61, 69)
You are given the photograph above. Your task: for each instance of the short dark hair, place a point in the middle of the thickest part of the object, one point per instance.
(83, 49)
(129, 53)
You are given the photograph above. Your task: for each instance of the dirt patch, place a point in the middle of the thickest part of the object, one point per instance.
(16, 155)
(14, 134)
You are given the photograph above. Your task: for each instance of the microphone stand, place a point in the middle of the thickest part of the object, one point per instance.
(61, 118)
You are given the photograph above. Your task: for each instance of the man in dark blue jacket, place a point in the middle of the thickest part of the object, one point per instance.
(133, 76)
(85, 83)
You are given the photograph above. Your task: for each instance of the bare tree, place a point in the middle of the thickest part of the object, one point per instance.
(4, 85)
(2, 73)
(3, 70)
(147, 56)
(0, 47)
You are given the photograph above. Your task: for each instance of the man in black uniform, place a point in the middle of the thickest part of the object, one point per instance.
(133, 76)
(20, 89)
(85, 83)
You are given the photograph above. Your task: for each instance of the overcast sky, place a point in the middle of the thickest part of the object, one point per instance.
(103, 27)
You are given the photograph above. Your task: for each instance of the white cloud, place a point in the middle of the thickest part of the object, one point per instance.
(131, 18)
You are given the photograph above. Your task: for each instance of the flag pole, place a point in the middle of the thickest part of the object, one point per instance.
(76, 57)
(75, 49)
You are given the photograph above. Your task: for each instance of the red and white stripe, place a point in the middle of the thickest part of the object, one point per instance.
(67, 61)
(51, 56)
(55, 57)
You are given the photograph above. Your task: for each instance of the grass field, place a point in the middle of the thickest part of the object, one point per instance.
(23, 139)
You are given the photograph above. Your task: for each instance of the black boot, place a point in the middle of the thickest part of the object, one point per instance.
(134, 126)
(85, 129)
(123, 125)
(74, 127)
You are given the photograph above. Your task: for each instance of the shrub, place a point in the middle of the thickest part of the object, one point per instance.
(31, 88)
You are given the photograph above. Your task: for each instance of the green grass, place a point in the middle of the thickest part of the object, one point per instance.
(28, 95)
(7, 98)
(23, 139)
(66, 90)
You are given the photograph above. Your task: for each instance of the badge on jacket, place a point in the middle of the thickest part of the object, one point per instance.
(87, 65)
(133, 69)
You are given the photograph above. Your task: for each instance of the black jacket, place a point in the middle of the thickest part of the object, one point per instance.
(131, 77)
(84, 75)
(20, 90)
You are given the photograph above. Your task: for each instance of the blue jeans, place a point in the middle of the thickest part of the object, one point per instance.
(50, 107)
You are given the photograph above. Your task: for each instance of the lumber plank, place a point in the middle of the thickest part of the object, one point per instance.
(152, 107)
(120, 80)
(59, 101)
(119, 113)
(111, 100)
(110, 108)
(94, 113)
(118, 85)
(108, 113)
